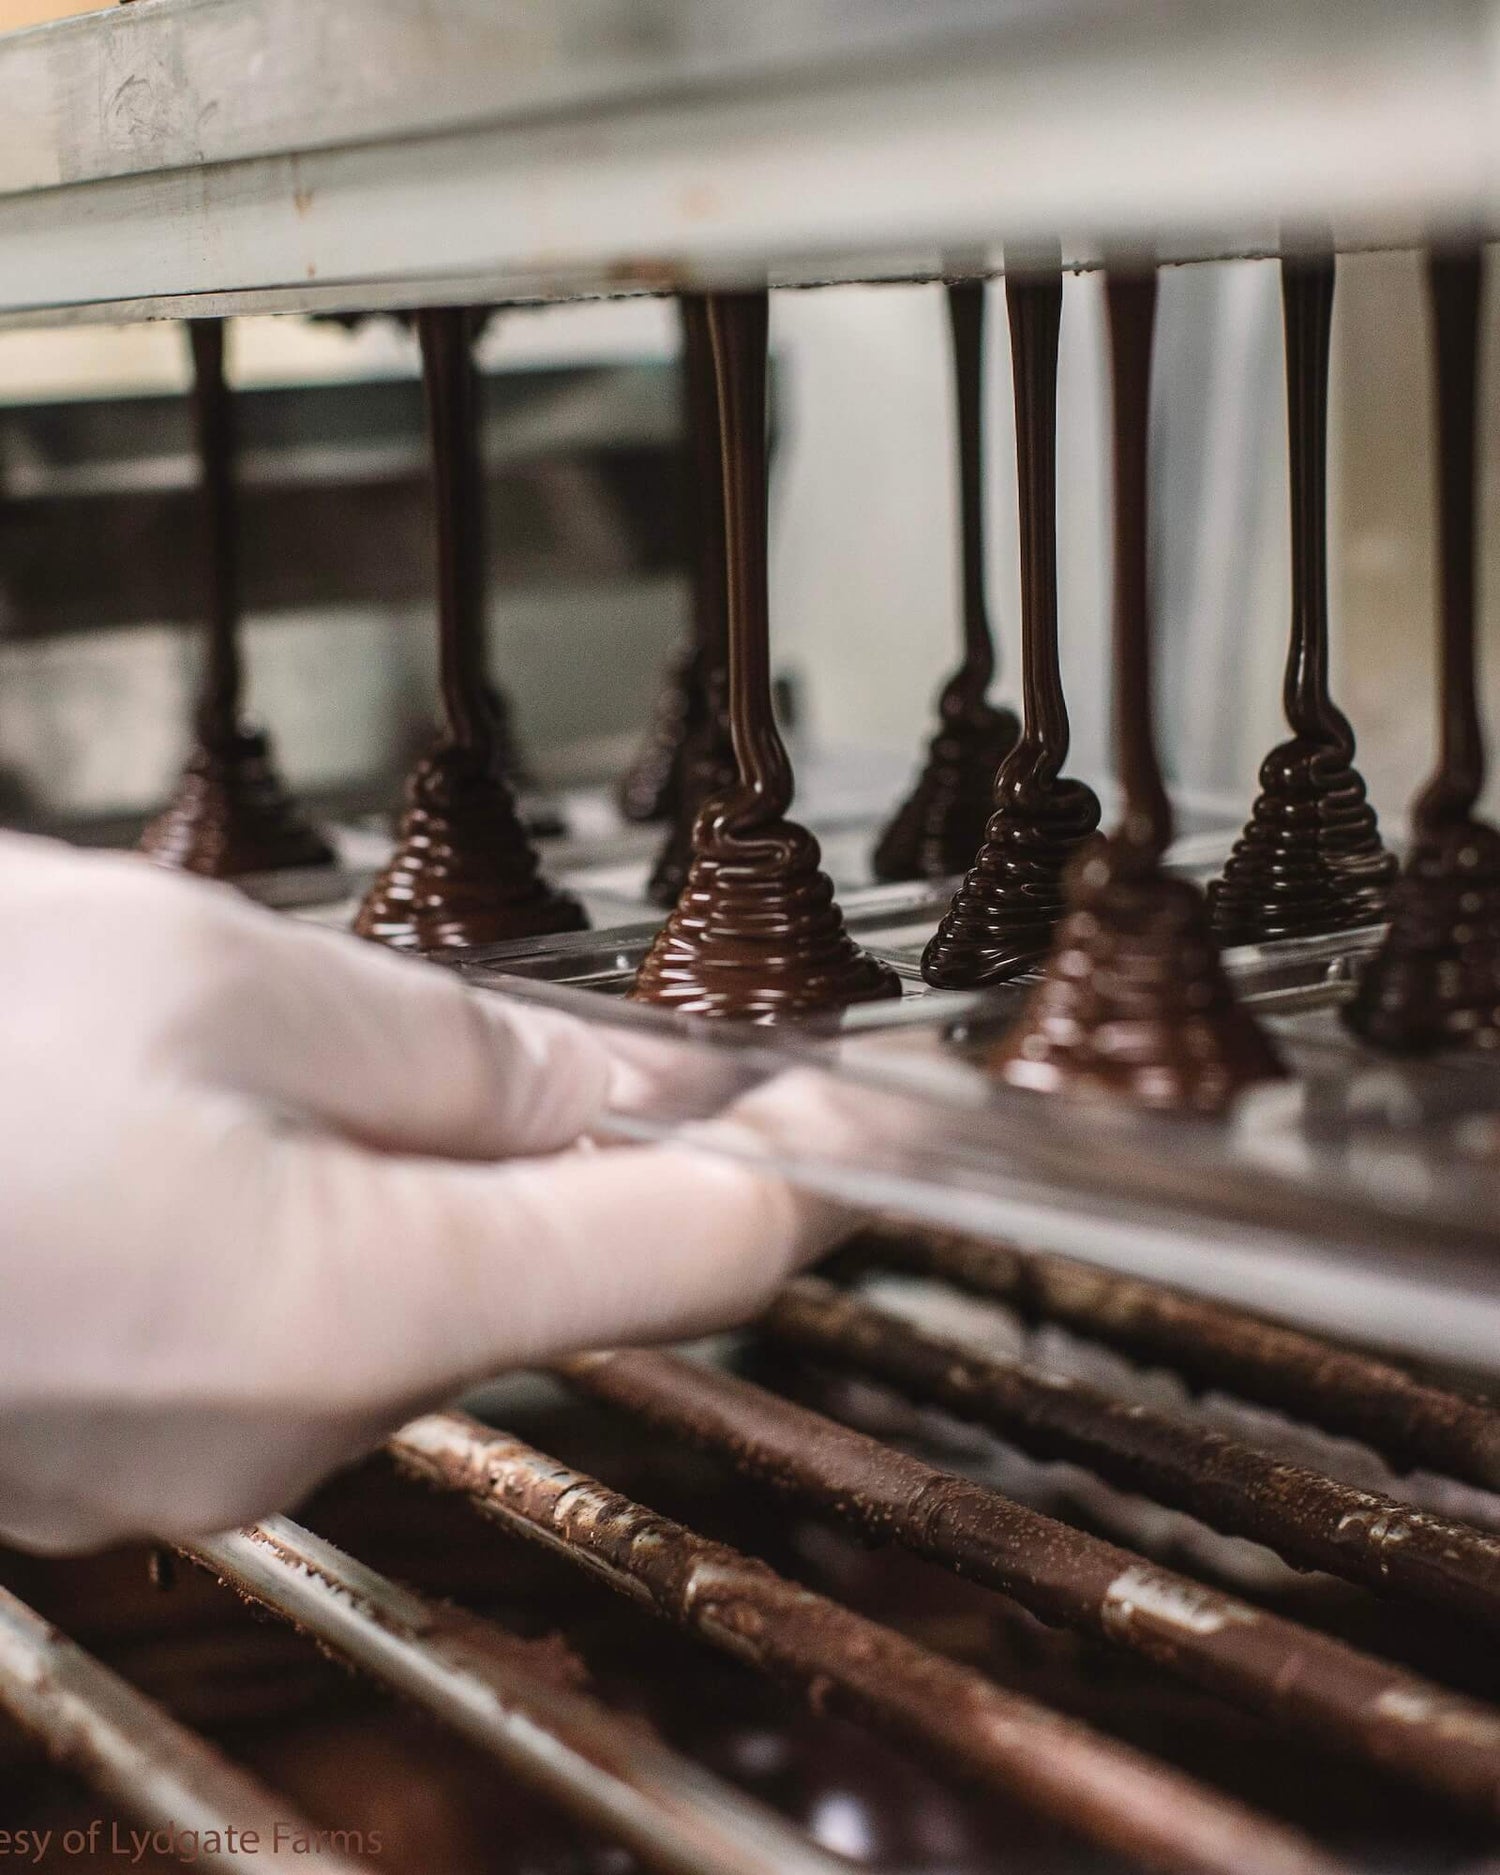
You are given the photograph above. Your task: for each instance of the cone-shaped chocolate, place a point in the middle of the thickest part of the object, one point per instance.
(230, 813)
(1435, 981)
(937, 830)
(756, 935)
(231, 816)
(708, 770)
(1134, 1003)
(1310, 859)
(1002, 916)
(463, 871)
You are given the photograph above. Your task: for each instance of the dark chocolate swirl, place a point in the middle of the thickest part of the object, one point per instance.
(1435, 981)
(1310, 858)
(1002, 916)
(1134, 1003)
(463, 871)
(231, 815)
(937, 829)
(756, 935)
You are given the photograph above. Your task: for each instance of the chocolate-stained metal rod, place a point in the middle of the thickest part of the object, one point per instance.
(123, 1745)
(1409, 1422)
(1311, 1520)
(602, 1770)
(1334, 1696)
(951, 1715)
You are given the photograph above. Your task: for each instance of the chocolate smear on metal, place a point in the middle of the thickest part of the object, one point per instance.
(755, 934)
(707, 766)
(937, 829)
(1313, 1521)
(1409, 1421)
(230, 814)
(1323, 1690)
(463, 871)
(1002, 916)
(844, 1663)
(1134, 1003)
(1310, 858)
(1435, 981)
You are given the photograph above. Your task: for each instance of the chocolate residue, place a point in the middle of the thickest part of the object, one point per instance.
(651, 787)
(706, 765)
(463, 871)
(1435, 981)
(1002, 916)
(756, 934)
(1134, 1002)
(1310, 859)
(937, 829)
(230, 813)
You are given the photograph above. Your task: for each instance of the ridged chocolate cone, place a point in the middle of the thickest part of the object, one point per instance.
(1002, 917)
(756, 935)
(1435, 981)
(1310, 858)
(1134, 1004)
(938, 828)
(463, 872)
(232, 815)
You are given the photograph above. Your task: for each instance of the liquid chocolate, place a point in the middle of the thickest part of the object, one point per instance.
(463, 871)
(230, 814)
(1134, 1003)
(1435, 981)
(706, 765)
(756, 934)
(1310, 858)
(1002, 916)
(937, 829)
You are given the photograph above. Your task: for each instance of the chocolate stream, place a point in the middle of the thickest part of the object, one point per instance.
(1002, 916)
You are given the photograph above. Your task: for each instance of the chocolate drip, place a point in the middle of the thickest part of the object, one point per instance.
(230, 814)
(1435, 981)
(463, 871)
(936, 830)
(706, 766)
(1310, 858)
(1134, 1002)
(1002, 916)
(756, 934)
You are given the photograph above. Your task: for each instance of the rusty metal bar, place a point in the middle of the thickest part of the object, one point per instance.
(1409, 1422)
(1311, 1520)
(99, 1727)
(951, 1715)
(1332, 1694)
(472, 1676)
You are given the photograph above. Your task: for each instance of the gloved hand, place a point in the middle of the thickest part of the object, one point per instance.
(250, 1215)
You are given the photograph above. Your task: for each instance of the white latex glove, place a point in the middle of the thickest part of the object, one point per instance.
(250, 1217)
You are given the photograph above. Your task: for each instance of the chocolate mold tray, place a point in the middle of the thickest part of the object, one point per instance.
(1360, 1196)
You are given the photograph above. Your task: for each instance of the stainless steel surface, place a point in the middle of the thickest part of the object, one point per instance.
(133, 1752)
(476, 1679)
(268, 154)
